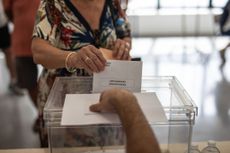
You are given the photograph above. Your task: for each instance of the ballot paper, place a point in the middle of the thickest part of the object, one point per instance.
(76, 110)
(120, 74)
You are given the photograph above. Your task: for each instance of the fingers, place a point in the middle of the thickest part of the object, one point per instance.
(121, 49)
(92, 59)
(103, 105)
(95, 62)
(90, 64)
(116, 47)
(82, 63)
(125, 54)
(99, 55)
(95, 108)
(127, 50)
(99, 106)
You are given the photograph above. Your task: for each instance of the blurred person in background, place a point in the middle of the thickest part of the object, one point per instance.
(5, 43)
(225, 30)
(22, 14)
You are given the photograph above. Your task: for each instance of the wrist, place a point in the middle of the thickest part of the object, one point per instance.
(127, 108)
(122, 100)
(69, 62)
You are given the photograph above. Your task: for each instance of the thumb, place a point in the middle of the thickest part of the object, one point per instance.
(95, 108)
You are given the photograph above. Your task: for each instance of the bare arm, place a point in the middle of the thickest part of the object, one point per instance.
(140, 137)
(88, 57)
(47, 55)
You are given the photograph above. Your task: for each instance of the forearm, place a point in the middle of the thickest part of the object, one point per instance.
(47, 55)
(140, 137)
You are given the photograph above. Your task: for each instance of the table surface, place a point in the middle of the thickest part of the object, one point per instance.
(224, 147)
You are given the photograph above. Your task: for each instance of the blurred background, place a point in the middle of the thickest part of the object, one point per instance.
(179, 38)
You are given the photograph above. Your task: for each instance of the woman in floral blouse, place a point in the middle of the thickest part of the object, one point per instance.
(68, 35)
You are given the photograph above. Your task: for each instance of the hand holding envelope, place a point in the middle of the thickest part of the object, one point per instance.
(108, 54)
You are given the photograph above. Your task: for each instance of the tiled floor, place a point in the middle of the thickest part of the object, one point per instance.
(194, 61)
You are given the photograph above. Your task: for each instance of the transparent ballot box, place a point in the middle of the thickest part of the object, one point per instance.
(174, 135)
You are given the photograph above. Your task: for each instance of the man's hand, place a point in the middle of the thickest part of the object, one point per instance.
(109, 98)
(133, 120)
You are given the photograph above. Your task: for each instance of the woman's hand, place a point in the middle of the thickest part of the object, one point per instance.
(122, 49)
(89, 58)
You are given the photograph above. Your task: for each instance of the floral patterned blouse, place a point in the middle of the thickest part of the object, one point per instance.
(60, 23)
(63, 26)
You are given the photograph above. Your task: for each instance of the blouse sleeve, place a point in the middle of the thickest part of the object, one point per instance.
(48, 19)
(121, 22)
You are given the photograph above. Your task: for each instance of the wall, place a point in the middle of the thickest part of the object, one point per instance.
(183, 22)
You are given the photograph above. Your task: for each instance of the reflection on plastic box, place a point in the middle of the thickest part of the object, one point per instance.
(178, 106)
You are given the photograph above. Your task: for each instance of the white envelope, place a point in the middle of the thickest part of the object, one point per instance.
(76, 110)
(120, 74)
